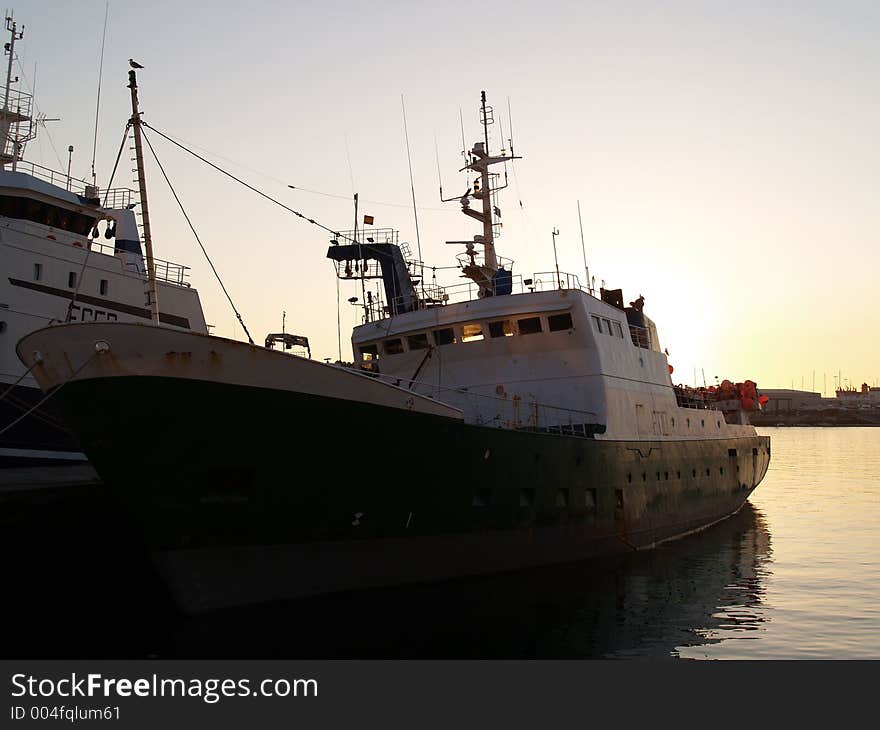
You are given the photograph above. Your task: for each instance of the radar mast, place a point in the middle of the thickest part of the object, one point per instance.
(485, 188)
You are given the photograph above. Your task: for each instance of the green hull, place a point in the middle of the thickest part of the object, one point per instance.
(230, 464)
(216, 470)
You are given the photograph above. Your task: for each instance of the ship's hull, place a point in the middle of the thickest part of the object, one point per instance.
(252, 493)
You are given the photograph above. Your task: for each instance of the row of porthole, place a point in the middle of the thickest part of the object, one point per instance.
(483, 498)
(677, 474)
(702, 422)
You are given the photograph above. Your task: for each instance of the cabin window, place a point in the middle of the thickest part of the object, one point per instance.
(501, 329)
(618, 330)
(71, 279)
(444, 337)
(369, 352)
(590, 500)
(529, 326)
(102, 287)
(597, 323)
(607, 326)
(471, 332)
(559, 322)
(393, 347)
(38, 272)
(418, 342)
(2, 326)
(50, 215)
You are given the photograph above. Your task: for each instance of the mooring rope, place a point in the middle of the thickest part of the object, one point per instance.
(50, 393)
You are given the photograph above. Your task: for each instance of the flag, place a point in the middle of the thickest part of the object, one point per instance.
(368, 220)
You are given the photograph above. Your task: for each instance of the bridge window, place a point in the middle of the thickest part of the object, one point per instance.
(445, 336)
(418, 342)
(559, 322)
(607, 327)
(529, 326)
(471, 332)
(501, 329)
(36, 211)
(597, 323)
(618, 330)
(369, 352)
(393, 347)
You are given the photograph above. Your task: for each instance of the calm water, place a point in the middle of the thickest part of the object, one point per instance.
(796, 574)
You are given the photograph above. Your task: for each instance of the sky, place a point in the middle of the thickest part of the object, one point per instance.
(725, 155)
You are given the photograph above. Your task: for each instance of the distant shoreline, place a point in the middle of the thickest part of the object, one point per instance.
(817, 418)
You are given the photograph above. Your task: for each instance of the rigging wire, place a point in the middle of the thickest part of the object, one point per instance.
(412, 187)
(49, 394)
(100, 79)
(247, 185)
(199, 240)
(79, 279)
(312, 191)
(336, 234)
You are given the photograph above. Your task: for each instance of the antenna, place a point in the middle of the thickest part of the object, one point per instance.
(510, 126)
(413, 189)
(584, 247)
(98, 101)
(555, 233)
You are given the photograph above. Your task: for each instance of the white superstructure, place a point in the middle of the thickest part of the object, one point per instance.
(540, 353)
(68, 253)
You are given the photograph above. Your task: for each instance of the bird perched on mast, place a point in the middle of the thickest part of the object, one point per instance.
(133, 63)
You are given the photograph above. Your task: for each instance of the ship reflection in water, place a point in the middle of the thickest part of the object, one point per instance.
(78, 594)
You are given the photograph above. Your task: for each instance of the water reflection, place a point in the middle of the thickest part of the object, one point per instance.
(695, 592)
(81, 591)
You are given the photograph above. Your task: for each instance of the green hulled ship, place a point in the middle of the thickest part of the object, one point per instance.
(506, 424)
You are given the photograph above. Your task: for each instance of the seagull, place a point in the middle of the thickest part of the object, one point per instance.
(133, 63)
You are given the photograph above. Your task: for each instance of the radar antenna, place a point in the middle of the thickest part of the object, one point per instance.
(485, 187)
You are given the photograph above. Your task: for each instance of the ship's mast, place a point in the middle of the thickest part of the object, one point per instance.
(152, 296)
(15, 110)
(480, 162)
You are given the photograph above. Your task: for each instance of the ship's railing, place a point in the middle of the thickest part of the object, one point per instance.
(477, 258)
(690, 398)
(166, 271)
(17, 114)
(113, 198)
(641, 336)
(549, 280)
(483, 409)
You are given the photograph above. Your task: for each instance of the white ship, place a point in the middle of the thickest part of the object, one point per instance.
(69, 252)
